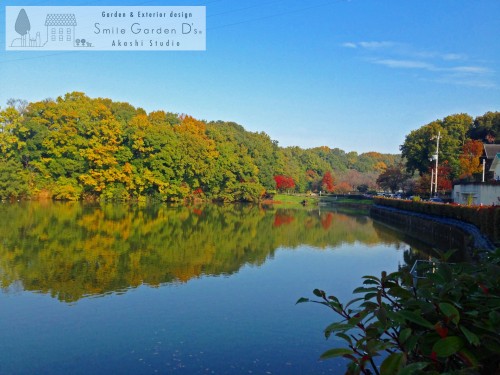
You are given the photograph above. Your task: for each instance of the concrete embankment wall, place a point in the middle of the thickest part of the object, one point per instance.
(437, 232)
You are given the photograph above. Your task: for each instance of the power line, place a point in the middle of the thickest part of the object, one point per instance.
(280, 14)
(246, 8)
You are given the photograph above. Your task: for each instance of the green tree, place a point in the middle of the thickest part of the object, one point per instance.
(393, 178)
(13, 180)
(418, 146)
(486, 128)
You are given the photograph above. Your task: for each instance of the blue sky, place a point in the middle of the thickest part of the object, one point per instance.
(358, 74)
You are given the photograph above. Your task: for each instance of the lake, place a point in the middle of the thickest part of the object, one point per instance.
(191, 290)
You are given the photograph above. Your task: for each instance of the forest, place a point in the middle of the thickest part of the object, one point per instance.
(96, 149)
(81, 148)
(461, 140)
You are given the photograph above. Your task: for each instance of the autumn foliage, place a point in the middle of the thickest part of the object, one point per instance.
(284, 182)
(327, 182)
(469, 158)
(79, 148)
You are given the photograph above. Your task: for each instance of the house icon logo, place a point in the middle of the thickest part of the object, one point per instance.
(60, 32)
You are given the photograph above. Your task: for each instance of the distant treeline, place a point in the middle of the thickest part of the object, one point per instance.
(76, 147)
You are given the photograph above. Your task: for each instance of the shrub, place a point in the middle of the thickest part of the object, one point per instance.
(66, 189)
(447, 322)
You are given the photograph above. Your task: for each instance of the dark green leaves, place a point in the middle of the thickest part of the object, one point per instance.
(416, 318)
(448, 346)
(332, 353)
(393, 363)
(449, 324)
(319, 293)
(450, 312)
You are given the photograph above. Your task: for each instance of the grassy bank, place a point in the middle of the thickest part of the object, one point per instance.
(294, 200)
(346, 199)
(354, 203)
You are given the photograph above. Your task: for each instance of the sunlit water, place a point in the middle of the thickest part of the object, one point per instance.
(190, 290)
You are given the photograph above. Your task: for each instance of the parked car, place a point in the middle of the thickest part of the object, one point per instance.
(436, 200)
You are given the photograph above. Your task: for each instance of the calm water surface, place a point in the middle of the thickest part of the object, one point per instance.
(190, 290)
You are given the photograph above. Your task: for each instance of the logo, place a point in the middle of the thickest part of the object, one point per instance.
(94, 28)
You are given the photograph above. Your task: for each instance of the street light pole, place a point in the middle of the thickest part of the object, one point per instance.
(432, 179)
(484, 167)
(437, 163)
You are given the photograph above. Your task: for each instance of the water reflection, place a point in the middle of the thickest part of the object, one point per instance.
(72, 250)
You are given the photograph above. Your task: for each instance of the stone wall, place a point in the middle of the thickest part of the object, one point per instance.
(433, 233)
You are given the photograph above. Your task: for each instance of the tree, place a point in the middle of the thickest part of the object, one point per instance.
(13, 179)
(363, 188)
(469, 158)
(418, 147)
(284, 182)
(486, 128)
(393, 178)
(445, 182)
(458, 126)
(19, 104)
(342, 188)
(327, 182)
(423, 184)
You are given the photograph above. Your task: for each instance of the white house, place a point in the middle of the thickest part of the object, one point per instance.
(476, 193)
(487, 192)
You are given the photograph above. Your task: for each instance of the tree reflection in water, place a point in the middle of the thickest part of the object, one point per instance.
(72, 250)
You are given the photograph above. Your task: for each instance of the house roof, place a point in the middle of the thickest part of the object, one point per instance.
(490, 150)
(60, 20)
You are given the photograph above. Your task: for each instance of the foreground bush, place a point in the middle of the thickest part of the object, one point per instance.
(446, 322)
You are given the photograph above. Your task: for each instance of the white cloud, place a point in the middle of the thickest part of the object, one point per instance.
(370, 45)
(377, 45)
(433, 66)
(349, 45)
(453, 56)
(463, 81)
(471, 69)
(406, 64)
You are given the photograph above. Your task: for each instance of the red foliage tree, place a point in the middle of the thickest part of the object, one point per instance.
(327, 182)
(444, 179)
(342, 188)
(284, 182)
